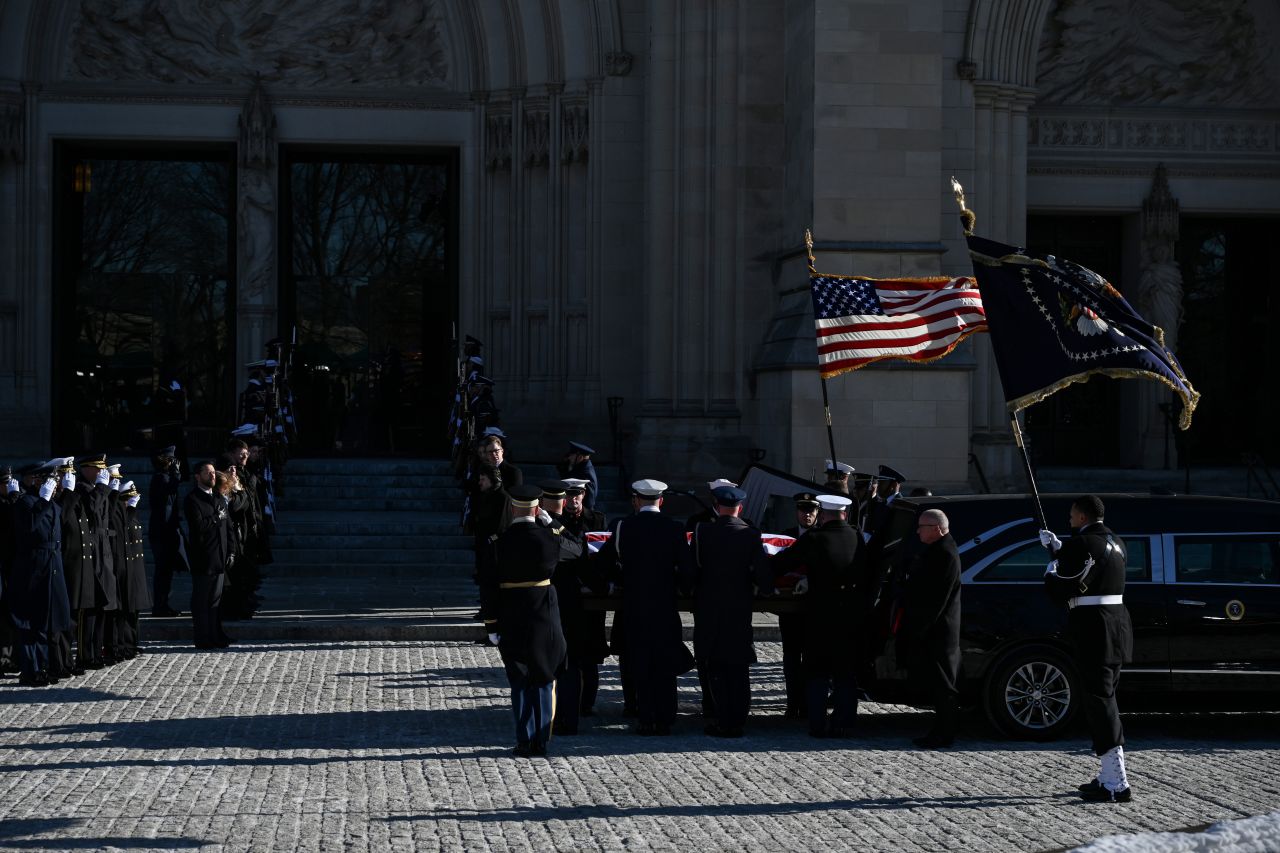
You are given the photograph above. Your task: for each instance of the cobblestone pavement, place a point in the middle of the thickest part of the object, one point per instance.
(405, 746)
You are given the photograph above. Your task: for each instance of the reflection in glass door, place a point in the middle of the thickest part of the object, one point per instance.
(372, 293)
(142, 266)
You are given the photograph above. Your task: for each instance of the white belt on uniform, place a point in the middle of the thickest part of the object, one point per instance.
(1081, 600)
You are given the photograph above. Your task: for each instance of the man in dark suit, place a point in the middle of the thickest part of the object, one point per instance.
(646, 555)
(211, 542)
(1087, 576)
(928, 640)
(829, 592)
(520, 609)
(728, 563)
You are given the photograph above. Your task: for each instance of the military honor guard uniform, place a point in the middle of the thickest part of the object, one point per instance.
(164, 530)
(98, 597)
(577, 466)
(568, 586)
(791, 625)
(1087, 576)
(828, 552)
(520, 609)
(727, 565)
(592, 639)
(135, 596)
(37, 589)
(645, 555)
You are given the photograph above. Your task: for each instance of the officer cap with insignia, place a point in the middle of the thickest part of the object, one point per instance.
(553, 489)
(129, 490)
(94, 460)
(805, 499)
(574, 486)
(46, 469)
(834, 503)
(887, 473)
(525, 496)
(728, 495)
(839, 468)
(648, 489)
(720, 483)
(66, 465)
(579, 447)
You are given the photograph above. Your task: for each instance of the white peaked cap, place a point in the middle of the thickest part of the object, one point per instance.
(834, 503)
(715, 484)
(839, 466)
(649, 488)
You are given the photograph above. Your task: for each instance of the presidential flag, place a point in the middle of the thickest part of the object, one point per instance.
(861, 320)
(1054, 322)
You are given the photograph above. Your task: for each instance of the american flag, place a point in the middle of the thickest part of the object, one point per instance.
(774, 543)
(861, 320)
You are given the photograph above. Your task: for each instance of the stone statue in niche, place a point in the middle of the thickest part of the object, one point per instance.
(1160, 52)
(256, 206)
(306, 43)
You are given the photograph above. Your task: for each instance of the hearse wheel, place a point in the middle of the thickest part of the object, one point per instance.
(1032, 693)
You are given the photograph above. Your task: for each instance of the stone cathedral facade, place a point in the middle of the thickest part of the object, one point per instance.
(612, 196)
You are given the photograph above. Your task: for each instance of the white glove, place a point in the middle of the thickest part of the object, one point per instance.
(13, 486)
(494, 639)
(104, 477)
(115, 484)
(127, 486)
(801, 587)
(1048, 540)
(174, 386)
(1052, 568)
(544, 516)
(133, 501)
(69, 481)
(46, 490)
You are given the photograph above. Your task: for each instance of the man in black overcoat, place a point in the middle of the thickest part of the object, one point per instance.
(928, 638)
(211, 545)
(520, 609)
(727, 564)
(592, 639)
(646, 555)
(164, 530)
(1087, 576)
(829, 592)
(37, 590)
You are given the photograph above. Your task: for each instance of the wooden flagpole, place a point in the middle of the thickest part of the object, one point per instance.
(826, 403)
(968, 219)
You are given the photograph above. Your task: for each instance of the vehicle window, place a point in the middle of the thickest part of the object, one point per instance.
(1028, 563)
(1228, 559)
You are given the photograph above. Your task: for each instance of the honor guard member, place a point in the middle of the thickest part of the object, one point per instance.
(1087, 575)
(594, 641)
(646, 555)
(728, 563)
(827, 553)
(520, 609)
(568, 585)
(837, 474)
(791, 625)
(10, 493)
(37, 590)
(117, 623)
(165, 528)
(928, 638)
(99, 599)
(212, 542)
(708, 513)
(577, 465)
(888, 488)
(135, 596)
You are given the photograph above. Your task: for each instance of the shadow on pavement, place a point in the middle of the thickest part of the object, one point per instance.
(17, 835)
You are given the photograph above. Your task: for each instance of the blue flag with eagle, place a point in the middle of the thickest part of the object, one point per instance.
(1053, 322)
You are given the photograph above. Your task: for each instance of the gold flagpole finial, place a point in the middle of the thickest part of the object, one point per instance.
(808, 245)
(967, 217)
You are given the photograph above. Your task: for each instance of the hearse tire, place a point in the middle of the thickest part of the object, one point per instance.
(1032, 693)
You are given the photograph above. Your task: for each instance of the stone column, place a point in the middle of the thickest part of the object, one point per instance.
(1160, 302)
(257, 210)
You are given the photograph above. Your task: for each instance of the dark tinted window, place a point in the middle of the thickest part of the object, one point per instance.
(1228, 559)
(1028, 563)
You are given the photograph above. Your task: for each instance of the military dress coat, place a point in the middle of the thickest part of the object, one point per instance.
(590, 640)
(98, 500)
(646, 555)
(928, 638)
(38, 589)
(135, 592)
(827, 553)
(727, 564)
(519, 603)
(1092, 562)
(164, 529)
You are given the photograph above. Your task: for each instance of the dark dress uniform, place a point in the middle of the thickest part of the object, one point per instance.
(135, 596)
(592, 639)
(212, 543)
(38, 591)
(78, 557)
(1091, 565)
(791, 629)
(520, 605)
(117, 634)
(8, 633)
(165, 534)
(568, 581)
(928, 638)
(828, 552)
(728, 561)
(101, 599)
(645, 555)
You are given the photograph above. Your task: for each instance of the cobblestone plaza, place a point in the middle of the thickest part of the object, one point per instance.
(406, 746)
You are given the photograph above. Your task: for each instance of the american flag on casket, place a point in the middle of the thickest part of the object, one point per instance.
(773, 542)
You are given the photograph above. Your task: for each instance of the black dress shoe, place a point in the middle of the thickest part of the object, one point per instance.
(818, 733)
(1091, 785)
(538, 750)
(932, 742)
(662, 729)
(35, 679)
(630, 711)
(717, 730)
(522, 750)
(94, 664)
(646, 729)
(78, 669)
(204, 647)
(839, 732)
(1106, 795)
(563, 730)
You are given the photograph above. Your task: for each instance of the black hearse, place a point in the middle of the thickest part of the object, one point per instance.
(1203, 592)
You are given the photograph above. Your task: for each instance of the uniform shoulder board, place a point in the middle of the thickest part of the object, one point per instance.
(557, 529)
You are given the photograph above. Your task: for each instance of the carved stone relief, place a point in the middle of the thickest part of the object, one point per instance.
(1149, 135)
(537, 136)
(497, 141)
(1218, 53)
(576, 132)
(336, 43)
(256, 206)
(12, 129)
(617, 63)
